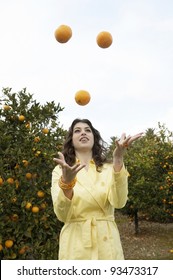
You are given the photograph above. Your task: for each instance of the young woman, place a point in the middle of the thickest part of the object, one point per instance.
(86, 190)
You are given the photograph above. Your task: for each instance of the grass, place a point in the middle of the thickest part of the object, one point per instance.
(153, 242)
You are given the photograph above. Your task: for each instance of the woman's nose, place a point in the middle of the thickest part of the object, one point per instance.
(83, 133)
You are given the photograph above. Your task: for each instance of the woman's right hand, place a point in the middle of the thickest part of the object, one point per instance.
(68, 172)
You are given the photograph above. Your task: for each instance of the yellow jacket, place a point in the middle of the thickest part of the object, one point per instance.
(89, 231)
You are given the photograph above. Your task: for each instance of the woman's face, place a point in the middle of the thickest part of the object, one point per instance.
(83, 138)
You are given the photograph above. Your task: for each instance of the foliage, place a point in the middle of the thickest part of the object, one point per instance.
(30, 138)
(150, 165)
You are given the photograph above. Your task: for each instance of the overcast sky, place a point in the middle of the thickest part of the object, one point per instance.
(130, 83)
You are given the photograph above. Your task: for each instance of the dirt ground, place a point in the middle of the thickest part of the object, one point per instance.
(153, 242)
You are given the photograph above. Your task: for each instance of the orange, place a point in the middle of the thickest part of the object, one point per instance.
(35, 209)
(63, 33)
(1, 181)
(22, 250)
(7, 107)
(21, 118)
(104, 39)
(37, 153)
(16, 166)
(1, 247)
(82, 97)
(40, 194)
(8, 243)
(28, 176)
(28, 205)
(25, 162)
(37, 139)
(45, 130)
(28, 125)
(10, 181)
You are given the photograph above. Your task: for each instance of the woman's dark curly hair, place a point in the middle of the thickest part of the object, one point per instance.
(98, 150)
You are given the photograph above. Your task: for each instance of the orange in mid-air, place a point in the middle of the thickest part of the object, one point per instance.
(82, 97)
(104, 39)
(63, 33)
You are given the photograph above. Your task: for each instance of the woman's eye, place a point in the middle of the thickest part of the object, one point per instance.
(76, 131)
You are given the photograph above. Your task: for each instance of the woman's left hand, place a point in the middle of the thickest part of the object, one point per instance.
(121, 145)
(124, 142)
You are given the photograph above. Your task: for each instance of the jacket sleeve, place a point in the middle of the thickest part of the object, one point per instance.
(118, 193)
(61, 204)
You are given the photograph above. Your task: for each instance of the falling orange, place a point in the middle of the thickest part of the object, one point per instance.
(82, 97)
(63, 33)
(104, 39)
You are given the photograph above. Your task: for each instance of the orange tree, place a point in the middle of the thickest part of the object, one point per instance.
(150, 164)
(30, 138)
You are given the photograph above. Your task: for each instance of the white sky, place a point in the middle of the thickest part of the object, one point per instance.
(131, 82)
